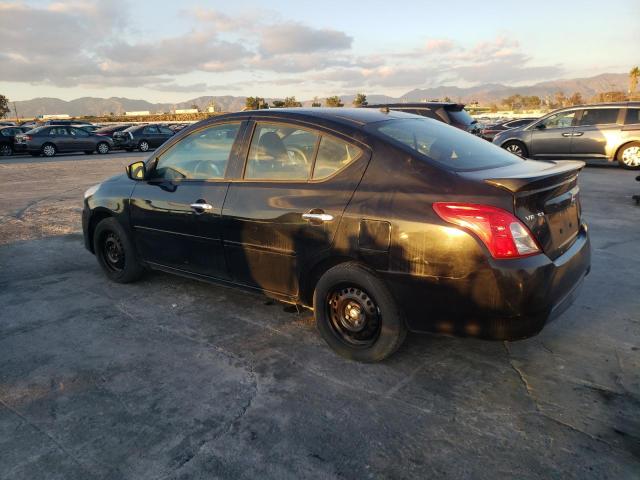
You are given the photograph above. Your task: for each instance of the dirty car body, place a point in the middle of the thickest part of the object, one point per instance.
(461, 236)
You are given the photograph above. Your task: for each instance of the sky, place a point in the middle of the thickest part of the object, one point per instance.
(174, 51)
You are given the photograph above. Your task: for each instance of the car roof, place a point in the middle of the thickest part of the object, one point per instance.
(607, 104)
(345, 116)
(419, 105)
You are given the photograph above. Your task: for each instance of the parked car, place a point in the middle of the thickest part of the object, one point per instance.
(608, 131)
(489, 131)
(449, 113)
(7, 124)
(50, 140)
(379, 222)
(109, 130)
(7, 139)
(87, 127)
(142, 137)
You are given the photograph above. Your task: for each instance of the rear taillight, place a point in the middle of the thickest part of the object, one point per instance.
(27, 138)
(504, 235)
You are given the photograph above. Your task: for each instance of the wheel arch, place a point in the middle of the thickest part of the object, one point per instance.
(97, 216)
(310, 277)
(622, 146)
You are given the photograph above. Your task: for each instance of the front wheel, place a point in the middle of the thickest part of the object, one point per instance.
(356, 313)
(143, 146)
(629, 156)
(103, 148)
(5, 150)
(115, 252)
(517, 148)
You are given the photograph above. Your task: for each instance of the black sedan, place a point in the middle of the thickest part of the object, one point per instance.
(7, 139)
(110, 130)
(50, 140)
(379, 222)
(142, 137)
(490, 131)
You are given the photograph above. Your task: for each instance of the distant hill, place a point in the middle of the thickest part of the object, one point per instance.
(484, 94)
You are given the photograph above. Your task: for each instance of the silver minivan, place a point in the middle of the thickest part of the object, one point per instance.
(608, 131)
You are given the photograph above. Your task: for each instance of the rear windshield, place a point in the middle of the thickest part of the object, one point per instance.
(461, 117)
(446, 145)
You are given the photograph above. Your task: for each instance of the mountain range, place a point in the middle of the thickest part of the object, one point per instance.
(483, 94)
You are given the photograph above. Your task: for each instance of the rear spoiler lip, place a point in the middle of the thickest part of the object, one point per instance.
(560, 172)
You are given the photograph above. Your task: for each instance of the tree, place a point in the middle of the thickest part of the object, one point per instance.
(277, 103)
(447, 99)
(634, 75)
(333, 102)
(360, 100)
(576, 99)
(4, 106)
(316, 102)
(560, 99)
(255, 103)
(614, 96)
(194, 106)
(291, 102)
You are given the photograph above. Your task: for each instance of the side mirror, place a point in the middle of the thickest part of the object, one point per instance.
(137, 171)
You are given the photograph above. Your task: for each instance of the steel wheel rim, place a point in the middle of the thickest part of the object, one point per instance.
(144, 146)
(49, 150)
(103, 148)
(353, 315)
(631, 157)
(5, 150)
(515, 149)
(113, 252)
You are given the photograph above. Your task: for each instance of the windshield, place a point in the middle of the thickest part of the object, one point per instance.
(461, 117)
(446, 145)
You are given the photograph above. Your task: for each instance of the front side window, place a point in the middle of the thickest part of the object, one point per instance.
(166, 130)
(599, 116)
(203, 155)
(150, 130)
(333, 155)
(446, 145)
(559, 120)
(280, 152)
(78, 132)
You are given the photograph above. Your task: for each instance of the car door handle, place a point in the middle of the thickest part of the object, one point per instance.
(578, 134)
(567, 134)
(201, 206)
(317, 217)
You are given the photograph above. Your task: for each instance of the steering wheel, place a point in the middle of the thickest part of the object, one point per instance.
(208, 169)
(298, 154)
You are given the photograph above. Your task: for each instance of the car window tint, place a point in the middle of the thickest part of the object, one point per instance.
(5, 132)
(78, 132)
(150, 130)
(559, 120)
(599, 116)
(333, 155)
(166, 131)
(203, 155)
(280, 152)
(446, 145)
(633, 116)
(58, 131)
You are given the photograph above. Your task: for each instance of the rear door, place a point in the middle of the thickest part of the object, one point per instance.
(552, 136)
(151, 134)
(595, 129)
(165, 133)
(287, 205)
(176, 212)
(61, 138)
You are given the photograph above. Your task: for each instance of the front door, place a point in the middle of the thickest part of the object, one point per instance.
(288, 205)
(176, 211)
(81, 139)
(552, 136)
(595, 130)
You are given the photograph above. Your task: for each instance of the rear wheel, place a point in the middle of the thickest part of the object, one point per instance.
(356, 314)
(143, 146)
(515, 147)
(629, 156)
(49, 150)
(103, 147)
(115, 252)
(6, 149)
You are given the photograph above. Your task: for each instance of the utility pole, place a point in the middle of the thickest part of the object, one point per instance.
(15, 110)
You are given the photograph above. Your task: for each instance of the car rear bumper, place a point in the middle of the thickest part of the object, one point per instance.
(507, 300)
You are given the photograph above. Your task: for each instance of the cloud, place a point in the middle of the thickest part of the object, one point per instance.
(298, 38)
(439, 45)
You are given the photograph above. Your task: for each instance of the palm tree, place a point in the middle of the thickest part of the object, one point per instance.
(634, 74)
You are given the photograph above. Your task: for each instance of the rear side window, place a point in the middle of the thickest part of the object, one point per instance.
(599, 116)
(6, 132)
(166, 130)
(633, 116)
(58, 131)
(446, 145)
(203, 155)
(150, 130)
(333, 155)
(280, 152)
(461, 117)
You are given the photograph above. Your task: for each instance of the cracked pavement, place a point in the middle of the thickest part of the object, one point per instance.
(170, 378)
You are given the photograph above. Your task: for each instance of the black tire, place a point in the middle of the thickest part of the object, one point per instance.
(628, 160)
(375, 331)
(516, 147)
(49, 150)
(103, 148)
(6, 150)
(115, 252)
(143, 146)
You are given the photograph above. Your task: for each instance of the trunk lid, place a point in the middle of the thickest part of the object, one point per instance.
(546, 198)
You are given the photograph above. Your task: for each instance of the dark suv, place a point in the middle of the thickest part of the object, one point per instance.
(450, 113)
(142, 137)
(608, 131)
(379, 222)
